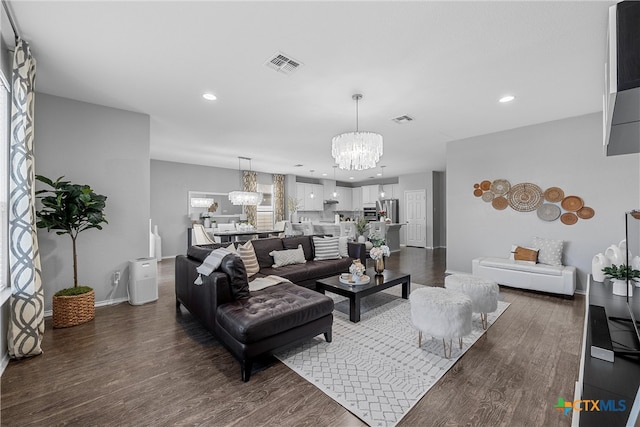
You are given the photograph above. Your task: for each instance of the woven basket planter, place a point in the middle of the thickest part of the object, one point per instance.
(73, 310)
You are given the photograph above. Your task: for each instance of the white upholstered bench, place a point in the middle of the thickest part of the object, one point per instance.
(538, 277)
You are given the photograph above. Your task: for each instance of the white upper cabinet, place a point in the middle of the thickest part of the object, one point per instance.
(304, 194)
(370, 195)
(344, 199)
(356, 201)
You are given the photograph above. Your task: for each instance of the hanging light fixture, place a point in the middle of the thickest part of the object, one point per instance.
(357, 150)
(382, 176)
(335, 190)
(311, 195)
(244, 197)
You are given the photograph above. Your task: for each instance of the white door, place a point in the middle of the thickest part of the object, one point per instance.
(415, 202)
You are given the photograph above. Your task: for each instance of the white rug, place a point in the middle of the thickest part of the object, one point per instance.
(374, 368)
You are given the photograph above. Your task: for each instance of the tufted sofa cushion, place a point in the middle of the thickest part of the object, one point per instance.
(271, 311)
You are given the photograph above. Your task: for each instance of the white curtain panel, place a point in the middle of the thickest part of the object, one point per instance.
(26, 327)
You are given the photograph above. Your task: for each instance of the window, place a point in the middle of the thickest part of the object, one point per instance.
(265, 209)
(5, 283)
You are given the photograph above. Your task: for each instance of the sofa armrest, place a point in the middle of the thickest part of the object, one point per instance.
(357, 251)
(201, 300)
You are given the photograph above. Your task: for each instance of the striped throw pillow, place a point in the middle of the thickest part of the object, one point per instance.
(326, 248)
(249, 258)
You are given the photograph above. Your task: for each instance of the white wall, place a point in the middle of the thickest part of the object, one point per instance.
(107, 149)
(565, 153)
(170, 185)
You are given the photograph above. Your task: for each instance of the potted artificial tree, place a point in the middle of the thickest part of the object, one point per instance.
(361, 227)
(70, 209)
(619, 277)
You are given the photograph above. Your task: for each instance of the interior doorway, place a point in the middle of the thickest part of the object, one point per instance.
(415, 203)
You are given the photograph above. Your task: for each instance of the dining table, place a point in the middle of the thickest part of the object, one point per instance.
(228, 236)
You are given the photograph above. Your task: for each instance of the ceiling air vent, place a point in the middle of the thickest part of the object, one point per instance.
(283, 63)
(403, 119)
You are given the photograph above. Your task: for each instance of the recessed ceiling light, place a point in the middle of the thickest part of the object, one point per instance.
(324, 174)
(507, 98)
(378, 174)
(351, 177)
(209, 96)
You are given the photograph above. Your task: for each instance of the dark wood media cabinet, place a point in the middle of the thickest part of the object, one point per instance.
(602, 380)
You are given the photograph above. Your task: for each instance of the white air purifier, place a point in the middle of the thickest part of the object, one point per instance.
(143, 281)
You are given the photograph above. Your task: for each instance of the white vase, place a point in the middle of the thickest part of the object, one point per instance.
(597, 264)
(619, 287)
(207, 223)
(615, 254)
(361, 239)
(294, 217)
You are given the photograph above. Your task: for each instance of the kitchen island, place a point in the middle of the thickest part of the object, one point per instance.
(392, 232)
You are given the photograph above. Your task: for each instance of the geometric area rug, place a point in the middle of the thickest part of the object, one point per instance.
(374, 368)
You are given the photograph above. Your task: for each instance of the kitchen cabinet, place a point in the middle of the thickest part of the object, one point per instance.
(370, 195)
(391, 191)
(344, 199)
(356, 201)
(308, 203)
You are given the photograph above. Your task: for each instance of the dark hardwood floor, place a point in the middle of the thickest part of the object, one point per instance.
(148, 366)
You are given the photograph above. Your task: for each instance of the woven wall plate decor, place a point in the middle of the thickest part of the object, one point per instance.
(548, 212)
(485, 185)
(476, 185)
(487, 196)
(500, 187)
(477, 192)
(499, 203)
(553, 194)
(572, 203)
(585, 212)
(525, 197)
(569, 218)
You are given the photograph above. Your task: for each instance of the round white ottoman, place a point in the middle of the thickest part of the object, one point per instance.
(483, 293)
(441, 313)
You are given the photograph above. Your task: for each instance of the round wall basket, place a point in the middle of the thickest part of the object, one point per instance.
(569, 218)
(553, 194)
(499, 203)
(572, 203)
(585, 212)
(525, 197)
(548, 212)
(500, 187)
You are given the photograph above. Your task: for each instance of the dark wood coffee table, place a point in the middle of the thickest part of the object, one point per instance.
(355, 293)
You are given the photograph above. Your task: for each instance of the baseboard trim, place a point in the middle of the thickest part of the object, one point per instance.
(449, 272)
(49, 313)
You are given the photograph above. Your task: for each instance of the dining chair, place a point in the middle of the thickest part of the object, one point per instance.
(200, 236)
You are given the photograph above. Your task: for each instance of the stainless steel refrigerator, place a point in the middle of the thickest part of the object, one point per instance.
(390, 206)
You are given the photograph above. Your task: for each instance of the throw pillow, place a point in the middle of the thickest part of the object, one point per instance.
(233, 266)
(343, 246)
(249, 258)
(326, 248)
(288, 257)
(528, 255)
(549, 250)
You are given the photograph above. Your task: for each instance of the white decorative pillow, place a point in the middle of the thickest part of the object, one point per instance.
(549, 250)
(343, 247)
(528, 255)
(249, 258)
(288, 257)
(326, 248)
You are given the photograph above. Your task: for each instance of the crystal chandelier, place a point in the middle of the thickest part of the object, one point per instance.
(244, 197)
(357, 150)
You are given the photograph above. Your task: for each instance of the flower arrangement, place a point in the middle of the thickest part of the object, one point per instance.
(383, 213)
(356, 268)
(293, 204)
(378, 252)
(213, 207)
(622, 273)
(376, 239)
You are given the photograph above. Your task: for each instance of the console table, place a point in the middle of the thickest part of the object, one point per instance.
(602, 380)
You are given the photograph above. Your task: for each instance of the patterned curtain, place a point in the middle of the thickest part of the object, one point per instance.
(250, 183)
(278, 197)
(26, 327)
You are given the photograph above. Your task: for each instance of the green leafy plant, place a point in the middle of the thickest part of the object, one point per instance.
(70, 209)
(622, 272)
(376, 239)
(361, 225)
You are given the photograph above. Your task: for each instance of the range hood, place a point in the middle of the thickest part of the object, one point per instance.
(621, 102)
(330, 202)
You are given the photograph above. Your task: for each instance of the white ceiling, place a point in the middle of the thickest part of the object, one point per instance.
(444, 63)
